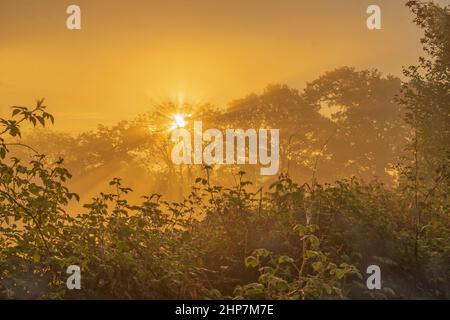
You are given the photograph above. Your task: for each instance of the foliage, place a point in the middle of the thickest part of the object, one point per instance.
(306, 242)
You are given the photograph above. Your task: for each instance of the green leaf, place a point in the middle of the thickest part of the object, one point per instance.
(254, 289)
(300, 229)
(339, 273)
(214, 293)
(315, 242)
(251, 262)
(278, 283)
(285, 259)
(317, 265)
(261, 252)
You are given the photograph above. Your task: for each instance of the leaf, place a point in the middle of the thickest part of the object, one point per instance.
(285, 259)
(339, 273)
(214, 293)
(41, 120)
(328, 288)
(254, 289)
(317, 265)
(300, 229)
(315, 242)
(261, 252)
(278, 283)
(251, 262)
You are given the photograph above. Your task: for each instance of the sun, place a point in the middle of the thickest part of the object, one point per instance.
(179, 120)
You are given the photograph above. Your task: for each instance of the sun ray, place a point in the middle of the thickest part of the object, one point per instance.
(179, 121)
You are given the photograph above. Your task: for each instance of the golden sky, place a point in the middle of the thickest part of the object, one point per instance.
(130, 54)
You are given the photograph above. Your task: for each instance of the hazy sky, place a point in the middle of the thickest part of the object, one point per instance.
(130, 54)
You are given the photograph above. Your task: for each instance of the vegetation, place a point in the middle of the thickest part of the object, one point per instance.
(243, 238)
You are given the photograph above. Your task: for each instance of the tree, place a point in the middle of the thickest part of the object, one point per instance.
(426, 93)
(426, 97)
(369, 133)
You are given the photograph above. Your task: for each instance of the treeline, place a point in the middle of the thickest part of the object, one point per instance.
(345, 123)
